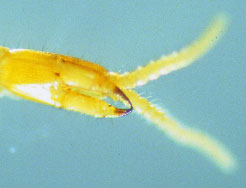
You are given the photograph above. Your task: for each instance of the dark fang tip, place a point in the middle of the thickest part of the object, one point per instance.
(123, 112)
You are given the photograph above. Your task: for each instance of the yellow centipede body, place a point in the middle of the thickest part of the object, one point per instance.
(78, 85)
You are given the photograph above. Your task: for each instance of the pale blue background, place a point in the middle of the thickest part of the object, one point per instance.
(41, 146)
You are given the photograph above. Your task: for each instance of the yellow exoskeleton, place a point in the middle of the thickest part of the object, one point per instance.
(78, 85)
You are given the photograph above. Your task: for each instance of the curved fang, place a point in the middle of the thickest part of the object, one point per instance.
(123, 112)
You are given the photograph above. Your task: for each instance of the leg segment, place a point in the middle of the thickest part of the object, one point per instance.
(71, 100)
